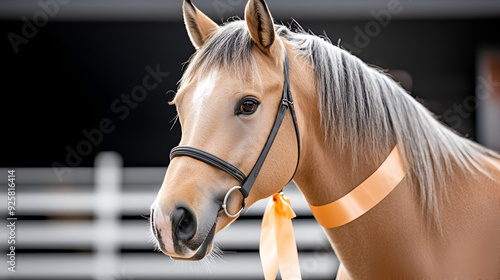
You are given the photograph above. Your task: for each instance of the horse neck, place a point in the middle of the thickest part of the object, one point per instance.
(396, 231)
(327, 172)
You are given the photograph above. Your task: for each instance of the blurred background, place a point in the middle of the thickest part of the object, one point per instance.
(89, 137)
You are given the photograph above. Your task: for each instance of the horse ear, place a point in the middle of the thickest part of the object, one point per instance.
(260, 24)
(198, 25)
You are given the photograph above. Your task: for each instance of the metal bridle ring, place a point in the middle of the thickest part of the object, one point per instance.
(224, 205)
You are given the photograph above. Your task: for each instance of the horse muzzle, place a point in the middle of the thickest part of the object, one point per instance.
(179, 233)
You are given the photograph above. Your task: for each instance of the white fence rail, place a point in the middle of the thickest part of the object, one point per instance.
(91, 226)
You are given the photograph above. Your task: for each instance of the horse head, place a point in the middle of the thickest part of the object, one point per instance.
(227, 102)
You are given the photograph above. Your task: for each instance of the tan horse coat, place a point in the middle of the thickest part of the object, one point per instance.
(394, 240)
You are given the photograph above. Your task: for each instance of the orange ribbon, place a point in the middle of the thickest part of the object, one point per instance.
(277, 242)
(365, 196)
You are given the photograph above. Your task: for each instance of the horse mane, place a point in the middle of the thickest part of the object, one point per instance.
(362, 108)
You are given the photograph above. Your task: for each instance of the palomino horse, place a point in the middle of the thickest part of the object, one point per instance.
(441, 221)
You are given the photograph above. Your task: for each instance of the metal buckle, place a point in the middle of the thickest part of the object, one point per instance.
(287, 102)
(224, 206)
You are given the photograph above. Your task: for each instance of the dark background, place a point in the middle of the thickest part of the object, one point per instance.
(65, 79)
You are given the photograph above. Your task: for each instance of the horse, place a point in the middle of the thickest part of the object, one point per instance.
(440, 221)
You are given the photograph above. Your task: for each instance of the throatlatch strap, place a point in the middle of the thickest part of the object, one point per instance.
(365, 196)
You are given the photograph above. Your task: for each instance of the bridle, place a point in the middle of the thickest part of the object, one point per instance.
(248, 181)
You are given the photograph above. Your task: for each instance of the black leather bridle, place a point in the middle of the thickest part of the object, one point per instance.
(248, 181)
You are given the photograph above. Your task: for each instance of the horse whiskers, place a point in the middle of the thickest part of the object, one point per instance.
(174, 121)
(217, 252)
(152, 240)
(210, 261)
(207, 264)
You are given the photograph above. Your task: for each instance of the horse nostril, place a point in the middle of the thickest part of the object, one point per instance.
(183, 224)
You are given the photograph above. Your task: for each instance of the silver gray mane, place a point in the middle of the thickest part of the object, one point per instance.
(362, 109)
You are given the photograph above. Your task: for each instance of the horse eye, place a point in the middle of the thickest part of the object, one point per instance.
(247, 106)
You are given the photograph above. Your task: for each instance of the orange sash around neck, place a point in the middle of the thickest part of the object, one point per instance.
(365, 196)
(277, 244)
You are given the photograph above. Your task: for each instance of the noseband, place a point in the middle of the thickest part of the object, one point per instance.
(248, 181)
